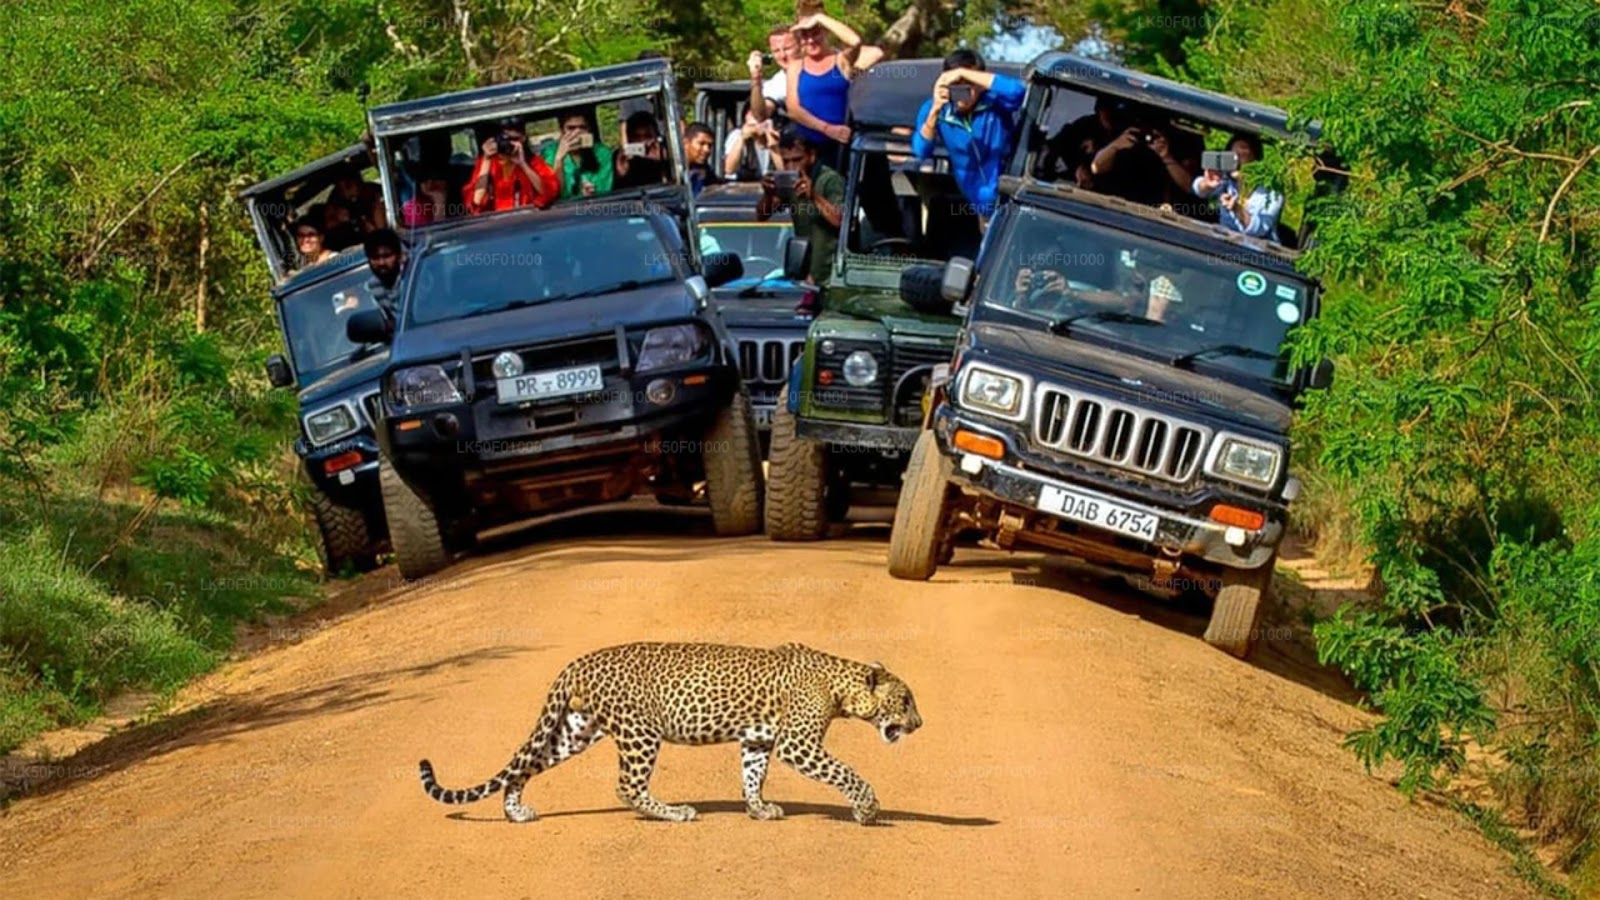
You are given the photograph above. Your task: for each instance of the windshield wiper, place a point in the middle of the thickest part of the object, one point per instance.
(631, 284)
(1059, 326)
(515, 304)
(1223, 349)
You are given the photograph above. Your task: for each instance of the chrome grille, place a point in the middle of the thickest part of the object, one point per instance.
(1122, 436)
(371, 406)
(767, 361)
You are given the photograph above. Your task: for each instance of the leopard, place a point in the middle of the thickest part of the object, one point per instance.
(774, 701)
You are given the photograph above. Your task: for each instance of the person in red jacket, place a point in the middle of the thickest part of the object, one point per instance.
(506, 181)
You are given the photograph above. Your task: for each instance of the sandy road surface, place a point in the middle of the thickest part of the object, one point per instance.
(1080, 741)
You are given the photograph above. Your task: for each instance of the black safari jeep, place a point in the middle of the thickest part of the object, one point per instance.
(545, 359)
(336, 379)
(767, 311)
(1120, 390)
(851, 408)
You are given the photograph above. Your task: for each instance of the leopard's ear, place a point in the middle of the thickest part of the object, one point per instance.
(873, 672)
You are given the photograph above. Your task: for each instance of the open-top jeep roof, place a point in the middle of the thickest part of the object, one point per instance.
(274, 203)
(463, 119)
(891, 92)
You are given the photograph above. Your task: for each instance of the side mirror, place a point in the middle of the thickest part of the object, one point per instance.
(922, 288)
(796, 259)
(278, 372)
(722, 267)
(369, 326)
(697, 288)
(957, 279)
(1322, 375)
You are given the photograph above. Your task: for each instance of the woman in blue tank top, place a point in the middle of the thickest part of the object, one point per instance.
(819, 81)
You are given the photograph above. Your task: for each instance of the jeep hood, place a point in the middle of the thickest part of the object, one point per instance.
(776, 311)
(1108, 371)
(899, 318)
(355, 378)
(544, 321)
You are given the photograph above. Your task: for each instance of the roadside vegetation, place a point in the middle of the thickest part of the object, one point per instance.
(149, 500)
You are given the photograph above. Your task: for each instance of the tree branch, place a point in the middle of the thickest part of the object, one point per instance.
(89, 260)
(1544, 230)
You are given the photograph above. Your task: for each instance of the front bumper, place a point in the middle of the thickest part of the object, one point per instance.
(1181, 530)
(346, 470)
(854, 434)
(483, 434)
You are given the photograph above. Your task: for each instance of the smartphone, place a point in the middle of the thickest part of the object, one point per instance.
(585, 140)
(1219, 161)
(635, 149)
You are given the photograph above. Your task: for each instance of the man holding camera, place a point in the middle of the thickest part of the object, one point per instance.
(509, 175)
(765, 96)
(1140, 165)
(973, 114)
(814, 195)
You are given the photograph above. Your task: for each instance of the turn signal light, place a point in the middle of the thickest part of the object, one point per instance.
(825, 377)
(409, 425)
(341, 462)
(982, 445)
(1247, 519)
(696, 379)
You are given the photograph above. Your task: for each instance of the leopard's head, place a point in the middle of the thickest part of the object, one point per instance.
(879, 697)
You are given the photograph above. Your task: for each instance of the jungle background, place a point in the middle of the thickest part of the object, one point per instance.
(150, 501)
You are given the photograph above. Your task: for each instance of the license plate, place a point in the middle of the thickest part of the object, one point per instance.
(550, 383)
(1097, 512)
(763, 416)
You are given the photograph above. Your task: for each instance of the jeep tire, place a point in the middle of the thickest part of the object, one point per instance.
(731, 457)
(797, 480)
(345, 539)
(1237, 611)
(415, 528)
(917, 539)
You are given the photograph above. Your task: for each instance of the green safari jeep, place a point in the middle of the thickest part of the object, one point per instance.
(852, 408)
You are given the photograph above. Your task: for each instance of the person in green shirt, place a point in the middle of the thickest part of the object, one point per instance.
(583, 171)
(816, 205)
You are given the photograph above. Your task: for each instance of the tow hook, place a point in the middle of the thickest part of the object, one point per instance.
(1010, 524)
(1162, 571)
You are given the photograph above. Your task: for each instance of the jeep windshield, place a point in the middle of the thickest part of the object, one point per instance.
(1227, 310)
(314, 321)
(759, 245)
(903, 211)
(462, 276)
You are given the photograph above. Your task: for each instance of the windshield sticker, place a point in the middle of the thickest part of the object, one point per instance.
(1288, 313)
(1286, 291)
(1252, 284)
(635, 220)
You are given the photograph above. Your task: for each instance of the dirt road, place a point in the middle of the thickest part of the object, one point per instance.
(1079, 741)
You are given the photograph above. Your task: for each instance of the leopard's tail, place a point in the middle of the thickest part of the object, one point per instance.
(529, 758)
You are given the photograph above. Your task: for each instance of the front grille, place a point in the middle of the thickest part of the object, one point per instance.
(371, 405)
(555, 355)
(767, 361)
(1116, 435)
(916, 360)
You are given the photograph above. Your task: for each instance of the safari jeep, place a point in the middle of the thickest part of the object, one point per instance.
(336, 380)
(547, 359)
(852, 403)
(1120, 390)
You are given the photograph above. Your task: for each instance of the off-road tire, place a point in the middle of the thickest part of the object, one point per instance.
(415, 528)
(797, 481)
(731, 456)
(345, 540)
(1237, 611)
(917, 538)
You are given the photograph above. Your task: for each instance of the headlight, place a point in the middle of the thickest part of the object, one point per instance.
(329, 424)
(1248, 462)
(860, 369)
(423, 386)
(669, 346)
(991, 391)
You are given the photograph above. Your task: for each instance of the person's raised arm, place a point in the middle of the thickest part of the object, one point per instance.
(758, 100)
(927, 133)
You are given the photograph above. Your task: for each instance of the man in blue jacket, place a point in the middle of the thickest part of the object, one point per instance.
(973, 113)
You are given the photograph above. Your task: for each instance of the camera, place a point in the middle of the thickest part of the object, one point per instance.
(504, 144)
(1219, 161)
(1037, 280)
(961, 93)
(785, 180)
